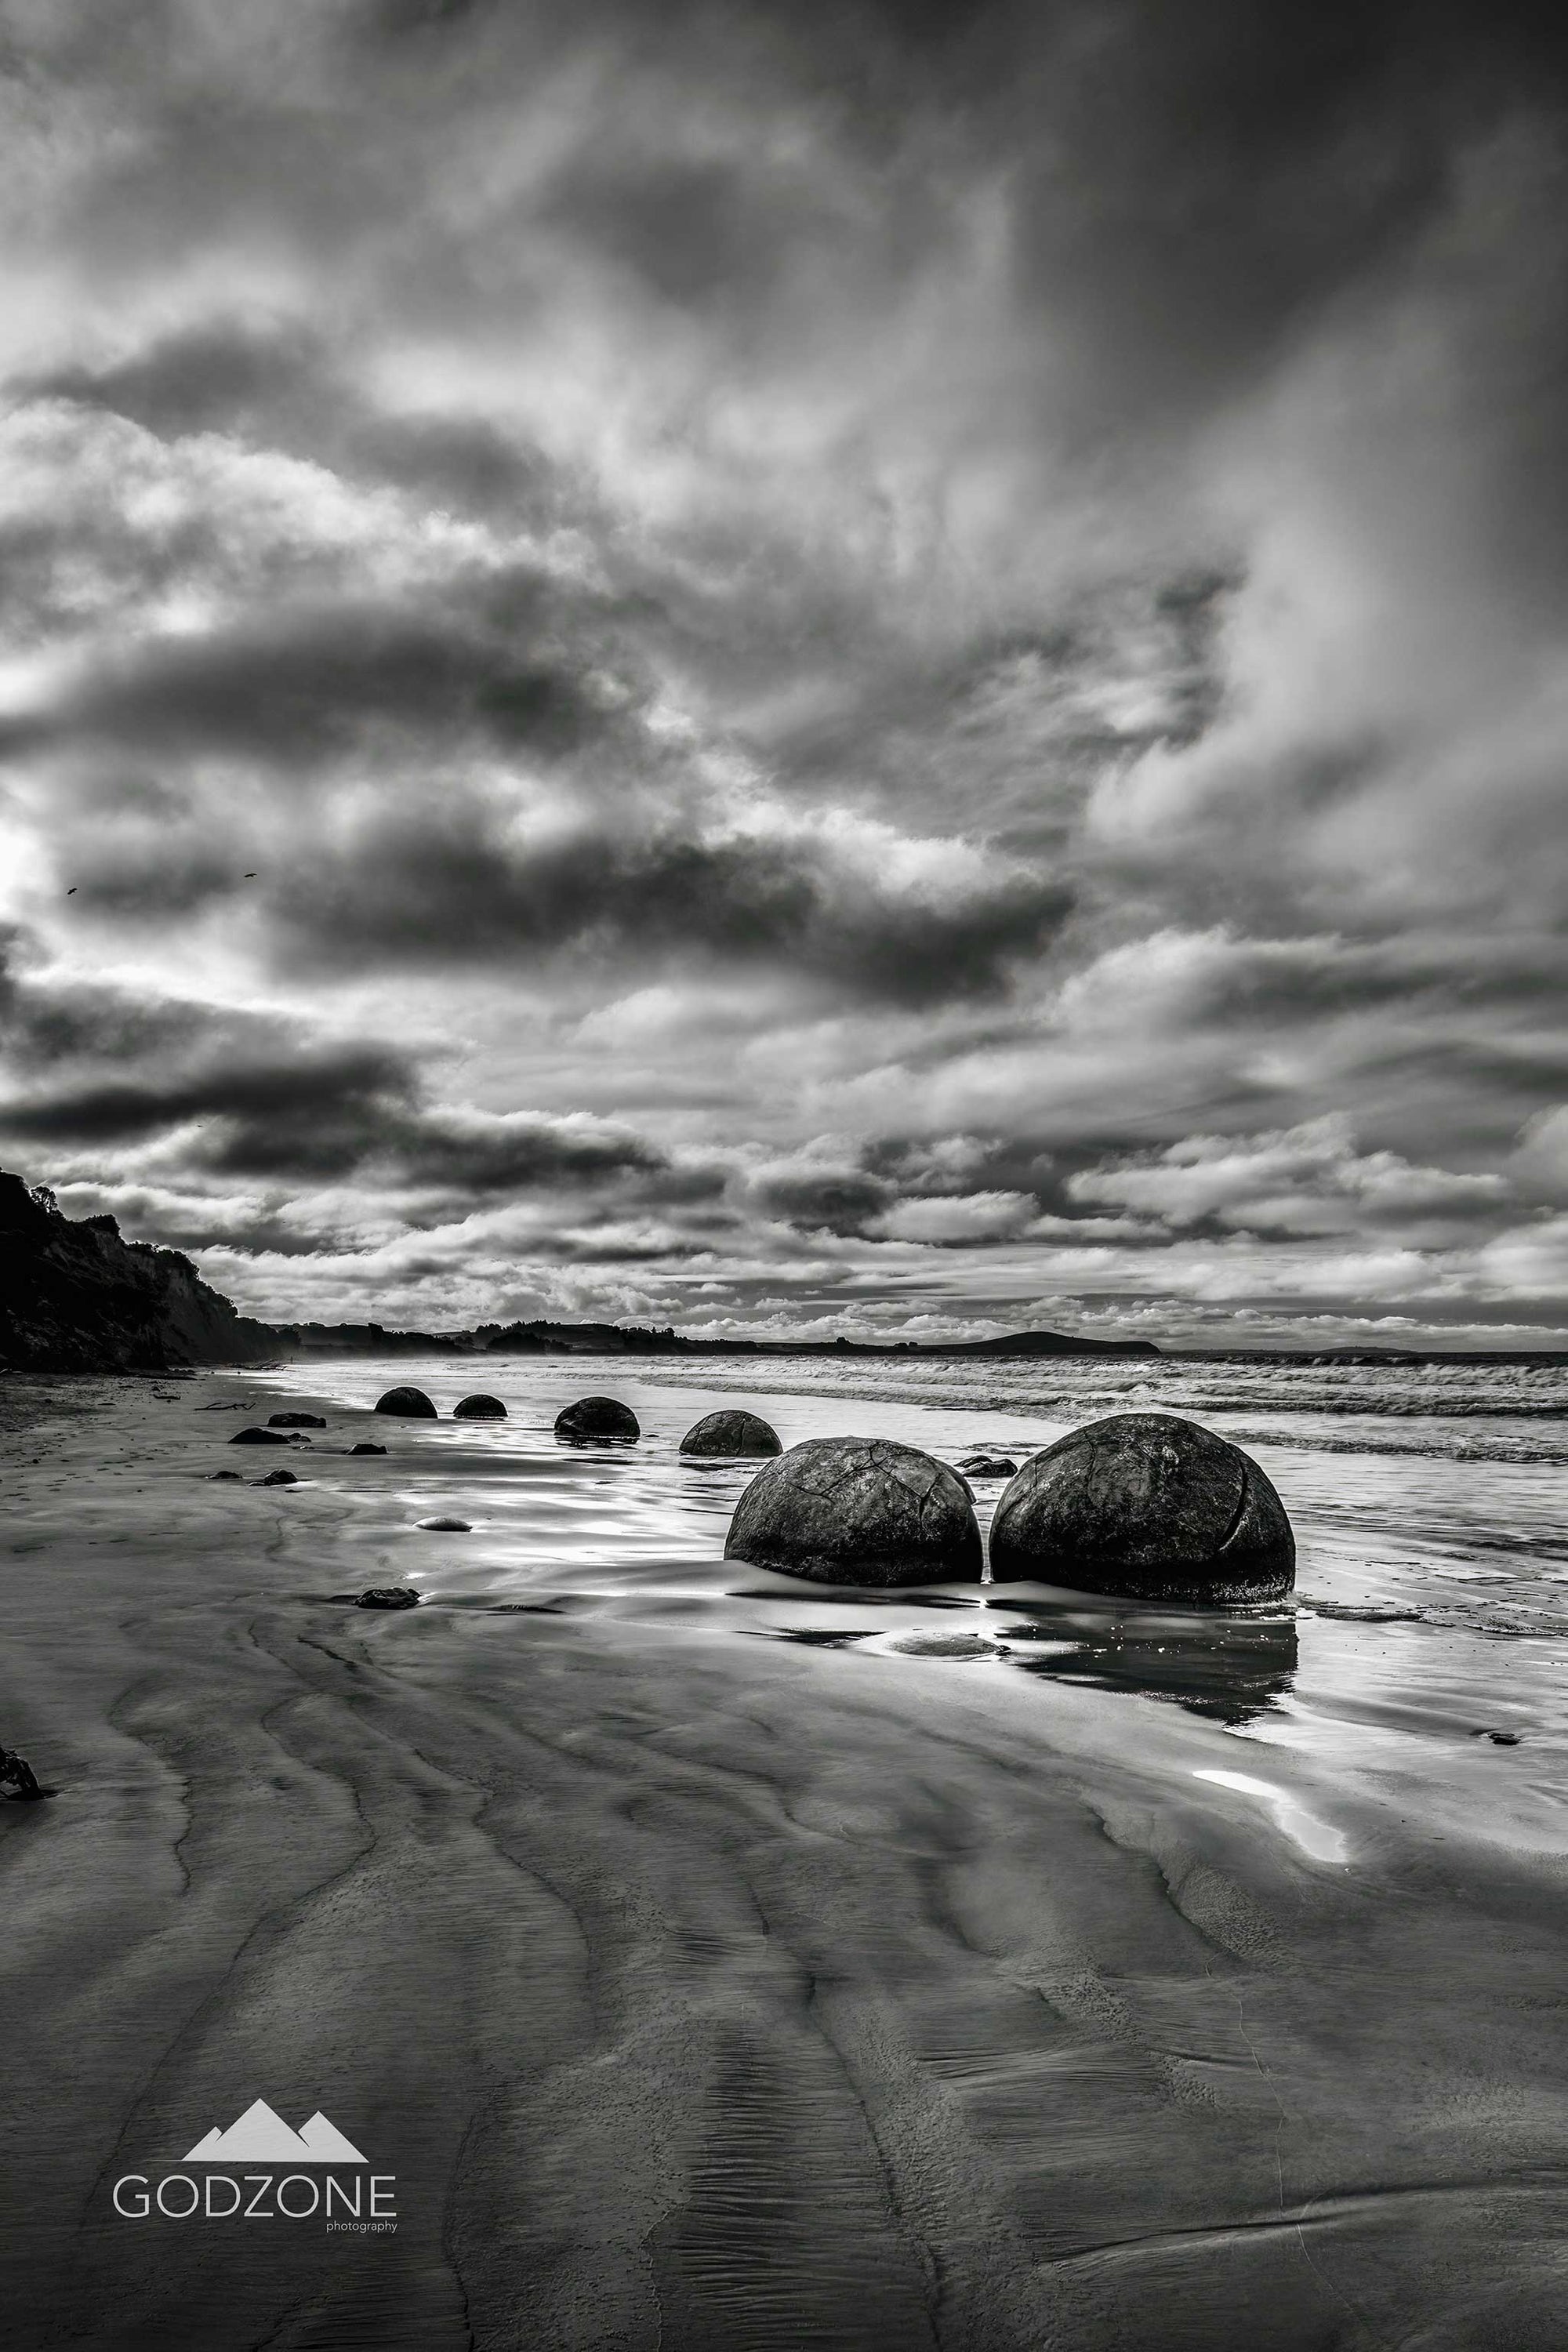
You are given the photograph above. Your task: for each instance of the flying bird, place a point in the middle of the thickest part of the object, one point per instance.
(72, 892)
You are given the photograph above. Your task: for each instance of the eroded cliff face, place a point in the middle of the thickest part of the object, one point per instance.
(77, 1298)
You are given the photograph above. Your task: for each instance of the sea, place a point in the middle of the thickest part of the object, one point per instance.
(1427, 1636)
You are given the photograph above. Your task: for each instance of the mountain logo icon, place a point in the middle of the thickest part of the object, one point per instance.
(261, 2136)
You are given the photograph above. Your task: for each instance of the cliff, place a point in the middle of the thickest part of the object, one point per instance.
(76, 1297)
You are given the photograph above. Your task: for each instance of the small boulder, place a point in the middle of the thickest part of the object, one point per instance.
(446, 1527)
(1147, 1506)
(279, 1478)
(479, 1408)
(236, 1477)
(409, 1404)
(599, 1417)
(260, 1437)
(388, 1596)
(367, 1449)
(731, 1432)
(15, 1772)
(296, 1421)
(858, 1510)
(988, 1465)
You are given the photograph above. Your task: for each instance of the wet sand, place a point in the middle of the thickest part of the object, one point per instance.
(706, 1989)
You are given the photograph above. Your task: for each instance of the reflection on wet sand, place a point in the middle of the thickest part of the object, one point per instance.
(1228, 1665)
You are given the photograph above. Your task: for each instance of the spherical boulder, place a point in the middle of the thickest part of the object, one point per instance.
(1147, 1506)
(858, 1510)
(731, 1432)
(260, 1437)
(479, 1408)
(409, 1404)
(296, 1421)
(599, 1417)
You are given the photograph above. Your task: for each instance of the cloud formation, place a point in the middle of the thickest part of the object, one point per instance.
(866, 667)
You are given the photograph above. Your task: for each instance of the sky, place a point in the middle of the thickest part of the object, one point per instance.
(869, 669)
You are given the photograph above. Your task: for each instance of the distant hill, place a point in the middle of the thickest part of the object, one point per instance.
(543, 1338)
(76, 1297)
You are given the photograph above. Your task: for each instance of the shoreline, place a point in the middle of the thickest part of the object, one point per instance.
(705, 1990)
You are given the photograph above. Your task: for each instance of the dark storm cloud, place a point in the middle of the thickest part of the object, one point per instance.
(460, 892)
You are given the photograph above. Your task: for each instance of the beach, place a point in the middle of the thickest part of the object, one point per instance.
(718, 1962)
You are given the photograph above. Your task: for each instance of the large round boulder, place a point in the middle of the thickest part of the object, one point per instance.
(1147, 1506)
(858, 1510)
(731, 1432)
(409, 1404)
(479, 1408)
(599, 1417)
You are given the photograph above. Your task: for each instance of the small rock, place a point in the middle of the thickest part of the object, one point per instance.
(410, 1404)
(988, 1465)
(388, 1596)
(296, 1421)
(367, 1449)
(279, 1478)
(599, 1417)
(237, 1477)
(260, 1437)
(15, 1772)
(479, 1408)
(446, 1527)
(732, 1432)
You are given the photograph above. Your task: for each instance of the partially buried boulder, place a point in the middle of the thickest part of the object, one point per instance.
(479, 1408)
(858, 1510)
(367, 1449)
(296, 1421)
(732, 1432)
(388, 1596)
(279, 1478)
(233, 1476)
(599, 1417)
(260, 1437)
(409, 1404)
(1147, 1506)
(446, 1527)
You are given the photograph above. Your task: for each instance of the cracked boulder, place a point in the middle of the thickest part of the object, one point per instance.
(731, 1432)
(858, 1510)
(1146, 1506)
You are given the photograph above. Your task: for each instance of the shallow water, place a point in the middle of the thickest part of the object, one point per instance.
(1424, 1640)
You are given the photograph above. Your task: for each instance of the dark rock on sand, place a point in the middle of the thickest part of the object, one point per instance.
(1148, 1506)
(279, 1478)
(731, 1432)
(296, 1421)
(598, 1416)
(237, 1477)
(388, 1596)
(858, 1510)
(410, 1404)
(367, 1449)
(479, 1408)
(446, 1527)
(260, 1437)
(988, 1465)
(15, 1772)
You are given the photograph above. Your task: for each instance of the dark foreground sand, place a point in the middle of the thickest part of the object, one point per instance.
(705, 1992)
